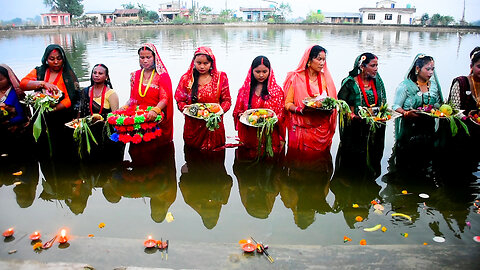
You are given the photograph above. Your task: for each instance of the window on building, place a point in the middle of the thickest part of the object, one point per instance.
(388, 17)
(249, 17)
(371, 16)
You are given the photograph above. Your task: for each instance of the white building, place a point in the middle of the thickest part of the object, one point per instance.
(174, 9)
(386, 13)
(257, 14)
(104, 16)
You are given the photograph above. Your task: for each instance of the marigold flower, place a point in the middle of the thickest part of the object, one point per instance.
(37, 246)
(101, 225)
(363, 242)
(346, 239)
(384, 229)
(425, 243)
(355, 205)
(404, 191)
(373, 202)
(404, 235)
(359, 218)
(91, 235)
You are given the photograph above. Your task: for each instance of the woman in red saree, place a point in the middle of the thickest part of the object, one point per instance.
(203, 83)
(151, 86)
(260, 91)
(309, 129)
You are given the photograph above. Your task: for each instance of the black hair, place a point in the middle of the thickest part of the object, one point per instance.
(4, 72)
(107, 81)
(143, 48)
(368, 57)
(259, 60)
(475, 55)
(421, 61)
(314, 52)
(196, 74)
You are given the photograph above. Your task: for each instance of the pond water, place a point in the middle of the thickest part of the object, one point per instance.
(220, 199)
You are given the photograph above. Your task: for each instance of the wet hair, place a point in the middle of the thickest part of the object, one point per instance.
(475, 55)
(314, 52)
(196, 74)
(259, 60)
(421, 61)
(107, 81)
(368, 57)
(4, 72)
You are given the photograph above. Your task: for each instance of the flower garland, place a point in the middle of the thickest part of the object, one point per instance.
(131, 124)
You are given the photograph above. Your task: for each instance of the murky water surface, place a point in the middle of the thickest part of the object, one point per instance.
(222, 199)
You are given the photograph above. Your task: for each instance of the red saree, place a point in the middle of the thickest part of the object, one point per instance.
(195, 132)
(312, 130)
(160, 90)
(274, 101)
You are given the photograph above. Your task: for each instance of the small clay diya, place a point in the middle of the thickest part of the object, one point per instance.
(8, 232)
(150, 242)
(35, 236)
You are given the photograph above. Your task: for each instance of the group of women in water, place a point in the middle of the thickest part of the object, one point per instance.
(308, 129)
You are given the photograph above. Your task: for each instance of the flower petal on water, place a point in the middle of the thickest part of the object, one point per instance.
(101, 225)
(169, 217)
(438, 239)
(37, 246)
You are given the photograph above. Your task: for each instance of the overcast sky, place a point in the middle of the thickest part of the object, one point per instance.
(31, 8)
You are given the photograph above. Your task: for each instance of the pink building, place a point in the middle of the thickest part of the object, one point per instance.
(55, 17)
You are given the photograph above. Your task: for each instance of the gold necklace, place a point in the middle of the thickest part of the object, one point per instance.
(141, 82)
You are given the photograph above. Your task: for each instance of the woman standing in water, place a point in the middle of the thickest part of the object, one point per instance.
(260, 91)
(203, 83)
(309, 129)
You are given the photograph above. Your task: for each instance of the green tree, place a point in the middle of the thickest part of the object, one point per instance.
(226, 15)
(128, 6)
(425, 18)
(74, 7)
(282, 11)
(447, 20)
(435, 20)
(205, 10)
(315, 17)
(152, 16)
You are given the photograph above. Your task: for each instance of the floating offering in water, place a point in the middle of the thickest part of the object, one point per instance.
(469, 225)
(249, 247)
(378, 207)
(346, 239)
(404, 192)
(169, 217)
(438, 239)
(404, 235)
(355, 205)
(423, 195)
(363, 242)
(37, 246)
(359, 218)
(384, 229)
(402, 215)
(63, 237)
(476, 239)
(374, 228)
(150, 242)
(9, 232)
(17, 173)
(101, 225)
(35, 236)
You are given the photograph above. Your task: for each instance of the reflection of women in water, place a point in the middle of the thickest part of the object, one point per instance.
(153, 177)
(354, 183)
(260, 91)
(363, 87)
(305, 184)
(13, 114)
(203, 83)
(205, 184)
(257, 184)
(55, 74)
(100, 98)
(151, 86)
(309, 129)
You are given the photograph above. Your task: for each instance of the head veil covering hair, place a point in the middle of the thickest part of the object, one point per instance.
(298, 82)
(411, 88)
(159, 66)
(15, 83)
(272, 85)
(166, 83)
(69, 77)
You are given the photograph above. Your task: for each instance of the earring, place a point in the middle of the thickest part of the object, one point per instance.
(416, 72)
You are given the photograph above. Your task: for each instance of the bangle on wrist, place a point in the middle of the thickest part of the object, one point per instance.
(157, 110)
(298, 110)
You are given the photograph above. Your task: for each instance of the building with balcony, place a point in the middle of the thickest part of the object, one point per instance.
(386, 12)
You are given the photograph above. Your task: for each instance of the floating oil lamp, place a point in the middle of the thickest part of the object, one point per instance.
(35, 236)
(8, 232)
(248, 246)
(63, 238)
(150, 242)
